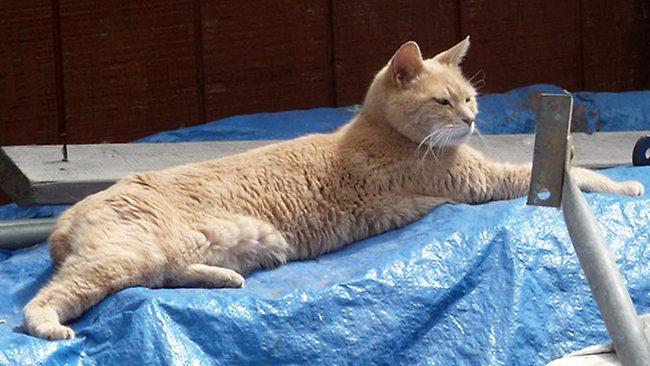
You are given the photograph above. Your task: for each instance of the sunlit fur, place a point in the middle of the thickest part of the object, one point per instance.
(413, 108)
(209, 224)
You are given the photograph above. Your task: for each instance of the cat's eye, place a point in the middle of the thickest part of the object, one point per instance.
(443, 101)
(467, 100)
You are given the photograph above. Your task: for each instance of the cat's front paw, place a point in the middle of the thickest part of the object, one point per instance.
(631, 188)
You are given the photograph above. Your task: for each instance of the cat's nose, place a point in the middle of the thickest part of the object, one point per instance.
(468, 121)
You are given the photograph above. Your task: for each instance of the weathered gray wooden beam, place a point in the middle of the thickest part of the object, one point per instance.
(36, 174)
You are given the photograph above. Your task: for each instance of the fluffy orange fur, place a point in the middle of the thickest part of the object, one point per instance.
(211, 223)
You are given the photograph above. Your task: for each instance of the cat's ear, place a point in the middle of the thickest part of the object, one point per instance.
(407, 63)
(454, 56)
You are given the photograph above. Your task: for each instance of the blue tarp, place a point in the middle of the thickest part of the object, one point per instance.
(491, 284)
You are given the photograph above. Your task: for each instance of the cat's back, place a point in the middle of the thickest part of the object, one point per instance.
(289, 170)
(301, 156)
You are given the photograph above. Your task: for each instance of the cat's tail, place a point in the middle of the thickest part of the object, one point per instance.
(62, 299)
(52, 305)
(72, 291)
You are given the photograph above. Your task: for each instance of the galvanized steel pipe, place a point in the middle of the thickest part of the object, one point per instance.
(607, 286)
(15, 234)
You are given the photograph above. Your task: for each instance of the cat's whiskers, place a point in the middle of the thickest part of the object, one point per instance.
(440, 140)
(479, 84)
(479, 72)
(480, 136)
(434, 139)
(429, 149)
(425, 139)
(483, 142)
(445, 140)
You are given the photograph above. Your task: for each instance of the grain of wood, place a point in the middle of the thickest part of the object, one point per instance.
(518, 43)
(616, 45)
(129, 68)
(28, 108)
(367, 33)
(36, 175)
(265, 56)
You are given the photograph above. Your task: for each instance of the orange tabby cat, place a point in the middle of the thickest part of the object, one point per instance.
(209, 224)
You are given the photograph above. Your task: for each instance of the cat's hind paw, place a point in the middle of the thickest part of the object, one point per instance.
(53, 332)
(204, 276)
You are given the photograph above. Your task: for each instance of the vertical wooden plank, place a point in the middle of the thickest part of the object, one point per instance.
(198, 58)
(368, 32)
(616, 44)
(27, 89)
(265, 56)
(129, 67)
(517, 43)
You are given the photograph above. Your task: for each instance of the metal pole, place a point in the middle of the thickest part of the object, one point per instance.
(607, 286)
(16, 234)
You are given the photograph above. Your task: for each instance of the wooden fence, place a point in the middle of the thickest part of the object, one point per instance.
(116, 70)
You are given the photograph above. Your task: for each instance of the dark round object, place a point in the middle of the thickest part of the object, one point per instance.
(641, 152)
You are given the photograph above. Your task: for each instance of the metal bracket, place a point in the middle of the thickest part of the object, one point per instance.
(552, 146)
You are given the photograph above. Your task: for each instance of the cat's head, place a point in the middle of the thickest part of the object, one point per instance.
(425, 100)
